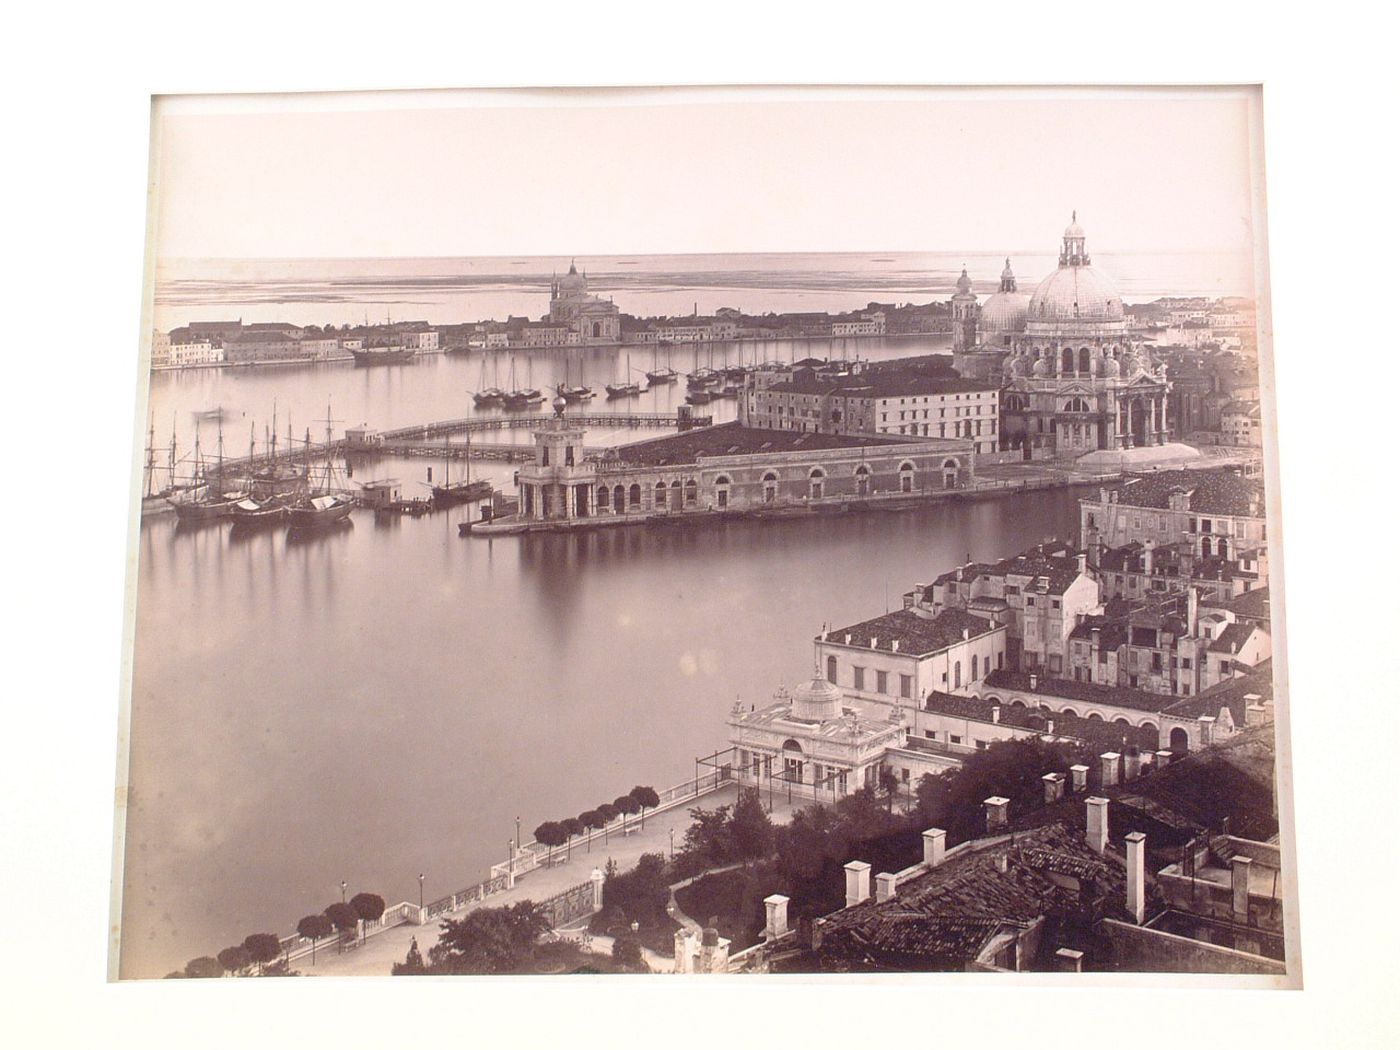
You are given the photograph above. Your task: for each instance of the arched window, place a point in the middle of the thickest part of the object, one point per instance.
(974, 667)
(1180, 740)
(1122, 722)
(831, 669)
(815, 486)
(1094, 716)
(602, 497)
(692, 492)
(1205, 547)
(619, 499)
(957, 674)
(862, 480)
(906, 476)
(1068, 712)
(634, 497)
(770, 487)
(1076, 404)
(1084, 365)
(722, 491)
(658, 498)
(1067, 360)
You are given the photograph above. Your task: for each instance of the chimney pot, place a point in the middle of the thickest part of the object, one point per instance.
(874, 642)
(1054, 787)
(894, 646)
(1067, 960)
(848, 639)
(1079, 777)
(996, 713)
(1034, 679)
(776, 910)
(1239, 888)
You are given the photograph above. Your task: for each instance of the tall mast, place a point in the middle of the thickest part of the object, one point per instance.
(151, 455)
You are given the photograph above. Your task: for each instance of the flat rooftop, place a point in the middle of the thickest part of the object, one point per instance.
(731, 439)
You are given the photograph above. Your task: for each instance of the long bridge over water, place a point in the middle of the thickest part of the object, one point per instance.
(434, 439)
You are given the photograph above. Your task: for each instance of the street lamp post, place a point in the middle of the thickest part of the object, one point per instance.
(517, 832)
(420, 892)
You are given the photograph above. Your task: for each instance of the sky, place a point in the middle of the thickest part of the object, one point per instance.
(603, 173)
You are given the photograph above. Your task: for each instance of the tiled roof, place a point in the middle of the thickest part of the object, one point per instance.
(1233, 638)
(1251, 605)
(731, 439)
(917, 635)
(1056, 561)
(947, 914)
(1211, 491)
(1229, 693)
(1087, 692)
(1092, 731)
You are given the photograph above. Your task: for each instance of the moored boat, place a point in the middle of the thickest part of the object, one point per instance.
(251, 513)
(662, 376)
(383, 355)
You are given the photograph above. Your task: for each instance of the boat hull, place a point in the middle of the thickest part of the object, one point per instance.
(366, 358)
(316, 517)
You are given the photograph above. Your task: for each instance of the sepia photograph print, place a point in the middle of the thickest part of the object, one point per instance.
(700, 531)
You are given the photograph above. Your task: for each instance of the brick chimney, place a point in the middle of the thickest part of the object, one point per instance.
(934, 846)
(997, 812)
(1096, 823)
(857, 882)
(1136, 847)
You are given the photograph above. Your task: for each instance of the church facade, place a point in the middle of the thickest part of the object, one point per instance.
(592, 319)
(1074, 382)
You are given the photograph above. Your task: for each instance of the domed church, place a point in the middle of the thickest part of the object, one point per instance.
(1075, 383)
(595, 320)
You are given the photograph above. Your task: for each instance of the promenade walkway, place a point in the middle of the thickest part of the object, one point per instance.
(381, 950)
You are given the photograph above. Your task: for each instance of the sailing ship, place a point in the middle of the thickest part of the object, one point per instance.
(156, 499)
(325, 503)
(521, 397)
(450, 492)
(574, 394)
(383, 355)
(660, 376)
(210, 504)
(487, 396)
(626, 389)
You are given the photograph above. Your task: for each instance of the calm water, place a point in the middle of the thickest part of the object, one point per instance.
(387, 699)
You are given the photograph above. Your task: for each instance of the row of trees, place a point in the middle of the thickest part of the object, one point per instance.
(254, 957)
(554, 833)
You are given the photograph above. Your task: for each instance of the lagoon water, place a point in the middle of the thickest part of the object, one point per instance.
(386, 699)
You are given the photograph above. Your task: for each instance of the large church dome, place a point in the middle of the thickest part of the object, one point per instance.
(1075, 292)
(573, 281)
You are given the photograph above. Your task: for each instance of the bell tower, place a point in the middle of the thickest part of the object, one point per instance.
(964, 304)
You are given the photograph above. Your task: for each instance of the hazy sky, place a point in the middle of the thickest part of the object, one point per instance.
(597, 173)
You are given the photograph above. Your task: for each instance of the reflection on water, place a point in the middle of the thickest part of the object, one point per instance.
(385, 698)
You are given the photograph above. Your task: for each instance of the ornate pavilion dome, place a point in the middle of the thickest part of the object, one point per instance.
(1075, 292)
(816, 701)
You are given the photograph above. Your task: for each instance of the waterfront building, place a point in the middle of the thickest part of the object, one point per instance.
(868, 324)
(727, 468)
(202, 352)
(807, 744)
(874, 400)
(1219, 512)
(323, 347)
(1040, 595)
(590, 318)
(214, 331)
(424, 340)
(896, 659)
(1242, 424)
(256, 348)
(160, 349)
(536, 334)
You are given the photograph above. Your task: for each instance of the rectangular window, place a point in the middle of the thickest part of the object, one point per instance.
(906, 686)
(858, 677)
(954, 738)
(882, 680)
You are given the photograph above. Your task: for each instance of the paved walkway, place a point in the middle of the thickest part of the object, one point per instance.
(380, 951)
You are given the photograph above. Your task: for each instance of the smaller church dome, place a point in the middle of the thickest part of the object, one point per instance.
(1004, 313)
(964, 283)
(1074, 230)
(816, 701)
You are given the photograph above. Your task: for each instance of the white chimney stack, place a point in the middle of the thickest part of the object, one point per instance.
(1079, 777)
(934, 846)
(857, 882)
(775, 908)
(997, 812)
(1137, 885)
(894, 646)
(874, 642)
(996, 713)
(1054, 787)
(1239, 888)
(884, 886)
(1096, 823)
(1108, 768)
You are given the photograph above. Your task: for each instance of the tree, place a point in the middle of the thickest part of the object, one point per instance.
(413, 964)
(889, 786)
(489, 940)
(1010, 768)
(204, 966)
(572, 826)
(262, 947)
(709, 840)
(607, 813)
(344, 918)
(647, 798)
(627, 952)
(552, 834)
(235, 959)
(626, 805)
(313, 928)
(589, 819)
(369, 907)
(750, 827)
(639, 895)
